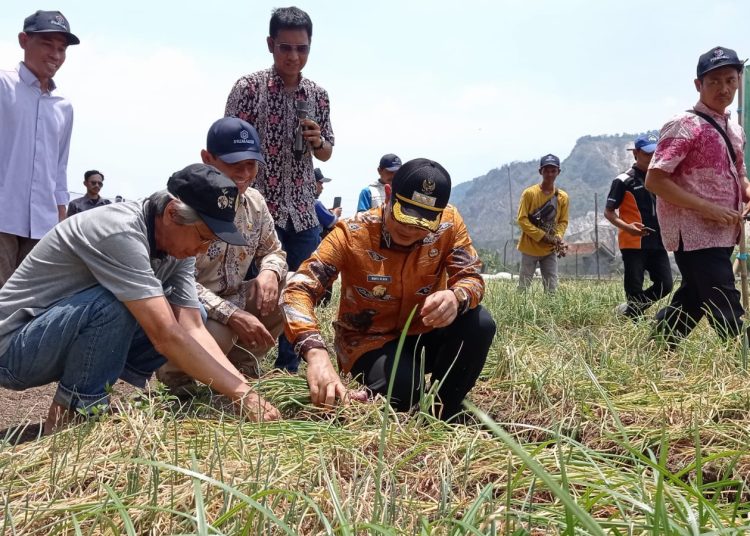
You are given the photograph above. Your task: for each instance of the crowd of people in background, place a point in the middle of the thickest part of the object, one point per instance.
(201, 280)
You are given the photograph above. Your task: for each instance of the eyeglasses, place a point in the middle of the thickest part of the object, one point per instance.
(287, 48)
(96, 183)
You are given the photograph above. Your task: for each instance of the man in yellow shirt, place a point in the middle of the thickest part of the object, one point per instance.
(543, 219)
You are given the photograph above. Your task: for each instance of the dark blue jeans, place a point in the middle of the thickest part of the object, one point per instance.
(298, 246)
(86, 343)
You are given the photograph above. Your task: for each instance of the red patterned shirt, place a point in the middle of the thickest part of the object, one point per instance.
(287, 184)
(696, 157)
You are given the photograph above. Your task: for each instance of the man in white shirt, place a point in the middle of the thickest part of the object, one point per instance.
(34, 139)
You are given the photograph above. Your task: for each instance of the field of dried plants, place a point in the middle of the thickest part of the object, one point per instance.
(582, 425)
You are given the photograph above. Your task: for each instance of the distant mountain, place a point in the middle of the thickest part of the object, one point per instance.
(489, 203)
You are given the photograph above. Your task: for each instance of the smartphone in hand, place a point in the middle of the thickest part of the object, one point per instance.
(336, 201)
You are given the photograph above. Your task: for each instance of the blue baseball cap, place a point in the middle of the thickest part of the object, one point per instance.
(47, 22)
(390, 162)
(646, 143)
(233, 140)
(549, 160)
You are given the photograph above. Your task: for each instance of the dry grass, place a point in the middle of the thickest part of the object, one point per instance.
(608, 433)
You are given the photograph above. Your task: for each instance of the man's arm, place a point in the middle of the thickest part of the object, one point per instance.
(178, 334)
(365, 200)
(635, 228)
(562, 217)
(661, 184)
(301, 325)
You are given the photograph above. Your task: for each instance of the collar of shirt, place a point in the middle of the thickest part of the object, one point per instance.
(276, 80)
(28, 78)
(700, 107)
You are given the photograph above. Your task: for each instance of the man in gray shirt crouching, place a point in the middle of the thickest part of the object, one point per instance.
(110, 294)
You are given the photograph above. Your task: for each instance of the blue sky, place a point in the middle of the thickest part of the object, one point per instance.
(470, 84)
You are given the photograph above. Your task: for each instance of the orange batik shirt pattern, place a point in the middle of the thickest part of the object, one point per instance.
(380, 283)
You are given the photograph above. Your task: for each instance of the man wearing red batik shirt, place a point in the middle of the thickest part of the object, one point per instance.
(698, 175)
(272, 101)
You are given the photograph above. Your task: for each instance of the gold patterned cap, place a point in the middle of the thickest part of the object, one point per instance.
(421, 190)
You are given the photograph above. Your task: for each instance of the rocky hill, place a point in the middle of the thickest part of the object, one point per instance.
(489, 204)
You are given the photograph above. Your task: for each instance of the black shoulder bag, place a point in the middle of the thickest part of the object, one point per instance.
(711, 121)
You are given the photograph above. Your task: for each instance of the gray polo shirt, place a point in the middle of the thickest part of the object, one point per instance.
(112, 246)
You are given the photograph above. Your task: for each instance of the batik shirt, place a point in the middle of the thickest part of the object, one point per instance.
(287, 184)
(380, 283)
(697, 158)
(221, 270)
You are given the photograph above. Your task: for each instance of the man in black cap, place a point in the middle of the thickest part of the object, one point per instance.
(34, 139)
(413, 252)
(543, 219)
(110, 294)
(698, 175)
(373, 195)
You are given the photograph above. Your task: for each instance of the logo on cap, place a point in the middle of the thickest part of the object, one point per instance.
(244, 134)
(428, 186)
(59, 21)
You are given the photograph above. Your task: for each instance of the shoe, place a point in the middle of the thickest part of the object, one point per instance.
(621, 309)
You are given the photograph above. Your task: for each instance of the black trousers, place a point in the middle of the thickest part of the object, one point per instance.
(707, 289)
(636, 263)
(455, 355)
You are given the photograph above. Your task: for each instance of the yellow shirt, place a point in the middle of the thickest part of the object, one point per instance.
(532, 199)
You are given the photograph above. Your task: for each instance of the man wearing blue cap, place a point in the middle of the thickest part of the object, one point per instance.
(698, 175)
(543, 219)
(110, 294)
(632, 209)
(34, 139)
(374, 195)
(243, 316)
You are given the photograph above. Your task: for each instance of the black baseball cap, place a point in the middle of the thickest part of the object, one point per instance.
(549, 160)
(319, 176)
(213, 195)
(390, 162)
(718, 57)
(421, 189)
(233, 140)
(49, 21)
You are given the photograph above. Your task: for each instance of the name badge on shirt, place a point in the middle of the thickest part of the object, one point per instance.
(379, 278)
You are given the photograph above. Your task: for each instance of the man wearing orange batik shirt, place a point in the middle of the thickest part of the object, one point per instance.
(412, 251)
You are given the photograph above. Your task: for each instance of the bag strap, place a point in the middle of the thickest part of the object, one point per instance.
(710, 120)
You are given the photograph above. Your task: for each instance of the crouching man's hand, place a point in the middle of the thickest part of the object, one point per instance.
(255, 408)
(325, 383)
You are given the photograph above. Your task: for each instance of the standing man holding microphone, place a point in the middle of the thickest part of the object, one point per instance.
(292, 116)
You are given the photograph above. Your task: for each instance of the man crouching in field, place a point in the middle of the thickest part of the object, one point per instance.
(110, 294)
(412, 251)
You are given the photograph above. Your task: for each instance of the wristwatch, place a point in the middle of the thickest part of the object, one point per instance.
(462, 297)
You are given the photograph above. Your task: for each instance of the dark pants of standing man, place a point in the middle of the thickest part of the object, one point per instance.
(455, 355)
(13, 249)
(298, 246)
(636, 263)
(707, 288)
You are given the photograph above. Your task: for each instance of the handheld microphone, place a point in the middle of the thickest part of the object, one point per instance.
(300, 145)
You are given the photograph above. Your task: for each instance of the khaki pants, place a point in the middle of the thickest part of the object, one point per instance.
(13, 249)
(246, 360)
